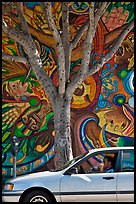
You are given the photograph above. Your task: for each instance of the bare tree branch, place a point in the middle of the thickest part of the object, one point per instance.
(79, 34)
(21, 18)
(66, 38)
(47, 11)
(109, 39)
(102, 6)
(21, 59)
(15, 58)
(87, 49)
(12, 32)
(44, 38)
(88, 41)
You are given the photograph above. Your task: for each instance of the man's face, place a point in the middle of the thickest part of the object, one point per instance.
(107, 164)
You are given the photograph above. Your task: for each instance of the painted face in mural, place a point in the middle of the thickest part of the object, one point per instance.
(117, 121)
(119, 116)
(125, 52)
(34, 119)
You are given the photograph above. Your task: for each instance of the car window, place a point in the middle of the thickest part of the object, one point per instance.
(128, 161)
(91, 164)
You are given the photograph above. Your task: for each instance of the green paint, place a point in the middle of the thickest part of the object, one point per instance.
(122, 73)
(33, 102)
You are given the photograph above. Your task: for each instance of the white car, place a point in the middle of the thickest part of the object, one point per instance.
(78, 181)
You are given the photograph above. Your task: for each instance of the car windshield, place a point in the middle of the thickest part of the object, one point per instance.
(67, 164)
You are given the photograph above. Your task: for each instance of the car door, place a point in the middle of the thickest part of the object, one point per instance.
(125, 178)
(89, 186)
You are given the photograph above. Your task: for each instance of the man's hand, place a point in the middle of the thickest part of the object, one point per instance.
(101, 167)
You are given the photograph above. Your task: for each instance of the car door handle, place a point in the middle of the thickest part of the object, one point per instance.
(108, 178)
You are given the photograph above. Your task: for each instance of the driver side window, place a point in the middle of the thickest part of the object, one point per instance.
(92, 164)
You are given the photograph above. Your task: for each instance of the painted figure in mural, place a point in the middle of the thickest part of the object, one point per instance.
(101, 108)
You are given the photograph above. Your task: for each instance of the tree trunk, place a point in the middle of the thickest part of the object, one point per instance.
(62, 139)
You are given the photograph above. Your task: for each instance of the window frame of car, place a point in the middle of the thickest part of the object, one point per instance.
(72, 168)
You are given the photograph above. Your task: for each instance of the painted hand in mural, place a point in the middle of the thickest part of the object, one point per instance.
(18, 90)
(98, 135)
(115, 19)
(16, 109)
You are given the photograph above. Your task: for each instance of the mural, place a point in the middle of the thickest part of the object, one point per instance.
(102, 108)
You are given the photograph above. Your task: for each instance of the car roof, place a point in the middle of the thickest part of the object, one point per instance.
(111, 148)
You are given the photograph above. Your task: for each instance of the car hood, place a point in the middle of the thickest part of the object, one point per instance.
(35, 175)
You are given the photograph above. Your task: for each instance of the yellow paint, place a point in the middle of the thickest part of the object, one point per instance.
(20, 124)
(40, 148)
(103, 121)
(17, 161)
(89, 89)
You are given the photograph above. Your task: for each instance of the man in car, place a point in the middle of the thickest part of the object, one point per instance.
(107, 165)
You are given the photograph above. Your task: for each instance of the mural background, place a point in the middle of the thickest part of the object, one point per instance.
(102, 108)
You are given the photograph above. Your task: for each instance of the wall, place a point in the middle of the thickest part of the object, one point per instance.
(102, 108)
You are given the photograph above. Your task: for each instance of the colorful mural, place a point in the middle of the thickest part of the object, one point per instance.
(102, 108)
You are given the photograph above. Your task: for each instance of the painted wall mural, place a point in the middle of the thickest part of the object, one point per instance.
(102, 108)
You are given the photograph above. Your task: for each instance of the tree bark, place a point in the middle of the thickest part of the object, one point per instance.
(47, 11)
(62, 139)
